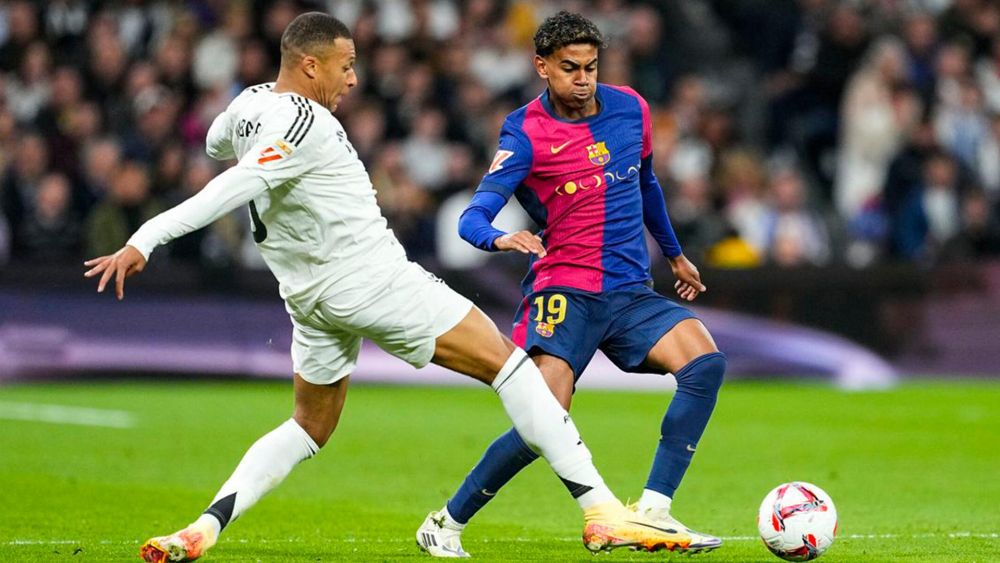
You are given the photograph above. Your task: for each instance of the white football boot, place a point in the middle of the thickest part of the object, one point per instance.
(439, 537)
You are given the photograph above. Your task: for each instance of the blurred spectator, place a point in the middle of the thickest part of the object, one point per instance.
(217, 56)
(988, 75)
(101, 159)
(962, 127)
(796, 235)
(906, 170)
(741, 180)
(29, 89)
(425, 152)
(690, 203)
(405, 204)
(921, 39)
(980, 234)
(19, 189)
(366, 128)
(156, 117)
(22, 28)
(878, 112)
(50, 233)
(930, 216)
(842, 44)
(65, 26)
(988, 161)
(499, 64)
(649, 70)
(127, 206)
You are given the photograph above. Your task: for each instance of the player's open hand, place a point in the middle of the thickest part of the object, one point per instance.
(688, 284)
(119, 266)
(524, 242)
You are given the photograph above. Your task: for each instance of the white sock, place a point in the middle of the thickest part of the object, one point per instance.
(652, 500)
(450, 522)
(547, 428)
(266, 464)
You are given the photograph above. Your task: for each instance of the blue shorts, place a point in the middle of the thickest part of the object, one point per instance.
(571, 324)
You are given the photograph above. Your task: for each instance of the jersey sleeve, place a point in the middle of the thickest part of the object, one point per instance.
(287, 145)
(475, 225)
(218, 141)
(647, 127)
(511, 164)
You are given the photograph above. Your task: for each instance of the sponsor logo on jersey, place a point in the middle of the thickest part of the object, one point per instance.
(283, 146)
(590, 181)
(598, 154)
(498, 160)
(583, 184)
(545, 330)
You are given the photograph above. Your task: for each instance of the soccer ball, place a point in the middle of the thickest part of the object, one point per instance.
(797, 521)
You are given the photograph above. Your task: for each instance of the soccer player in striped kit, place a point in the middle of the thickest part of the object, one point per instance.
(579, 160)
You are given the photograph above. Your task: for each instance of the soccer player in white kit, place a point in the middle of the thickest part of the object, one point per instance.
(344, 277)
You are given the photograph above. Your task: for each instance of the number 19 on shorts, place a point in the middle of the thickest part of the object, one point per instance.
(550, 309)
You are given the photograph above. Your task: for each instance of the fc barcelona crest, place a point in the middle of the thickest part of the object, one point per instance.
(598, 154)
(544, 329)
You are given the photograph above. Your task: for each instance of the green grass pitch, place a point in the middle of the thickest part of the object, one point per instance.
(915, 472)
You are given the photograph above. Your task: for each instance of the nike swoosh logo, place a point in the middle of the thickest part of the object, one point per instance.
(556, 150)
(652, 527)
(689, 448)
(487, 493)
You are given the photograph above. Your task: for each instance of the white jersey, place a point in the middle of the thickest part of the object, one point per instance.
(317, 225)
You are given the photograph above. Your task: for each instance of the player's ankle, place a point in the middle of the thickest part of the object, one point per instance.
(449, 522)
(209, 527)
(653, 501)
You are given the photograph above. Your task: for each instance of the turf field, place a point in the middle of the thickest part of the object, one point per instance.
(915, 472)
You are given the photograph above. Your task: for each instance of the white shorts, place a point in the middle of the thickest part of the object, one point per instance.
(404, 318)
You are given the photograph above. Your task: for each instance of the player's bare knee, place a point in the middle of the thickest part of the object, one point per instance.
(319, 429)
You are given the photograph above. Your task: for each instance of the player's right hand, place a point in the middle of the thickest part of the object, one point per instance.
(119, 265)
(524, 242)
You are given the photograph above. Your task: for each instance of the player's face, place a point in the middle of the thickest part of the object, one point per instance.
(335, 73)
(571, 72)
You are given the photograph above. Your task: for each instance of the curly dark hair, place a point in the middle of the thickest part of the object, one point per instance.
(566, 28)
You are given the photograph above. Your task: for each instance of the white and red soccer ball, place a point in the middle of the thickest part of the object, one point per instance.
(797, 521)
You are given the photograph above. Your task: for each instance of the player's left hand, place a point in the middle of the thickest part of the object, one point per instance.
(688, 283)
(119, 265)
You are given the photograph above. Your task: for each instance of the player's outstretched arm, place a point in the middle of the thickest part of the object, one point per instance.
(225, 192)
(119, 266)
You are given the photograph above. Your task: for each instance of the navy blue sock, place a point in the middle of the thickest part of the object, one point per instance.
(697, 388)
(507, 455)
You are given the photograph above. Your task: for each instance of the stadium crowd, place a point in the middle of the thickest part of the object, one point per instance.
(786, 132)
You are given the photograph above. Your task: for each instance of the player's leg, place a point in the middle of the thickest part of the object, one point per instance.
(561, 349)
(508, 454)
(688, 352)
(655, 334)
(440, 533)
(430, 322)
(329, 357)
(476, 347)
